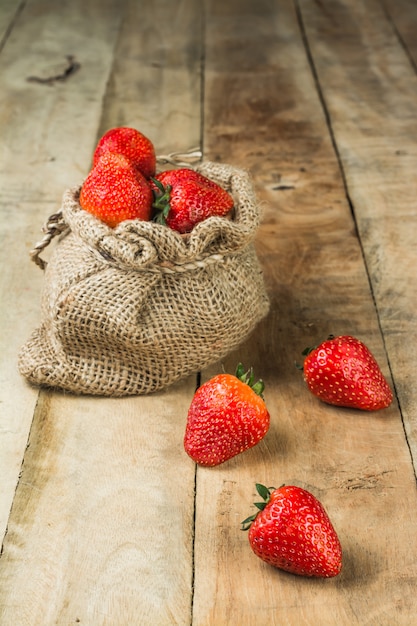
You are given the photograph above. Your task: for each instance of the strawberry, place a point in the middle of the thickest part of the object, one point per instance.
(115, 191)
(184, 197)
(132, 144)
(293, 532)
(342, 371)
(227, 416)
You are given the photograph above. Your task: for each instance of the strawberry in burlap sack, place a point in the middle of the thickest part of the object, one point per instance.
(133, 309)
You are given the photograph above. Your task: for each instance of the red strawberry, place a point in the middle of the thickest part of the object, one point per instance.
(115, 191)
(342, 371)
(184, 197)
(293, 532)
(132, 144)
(227, 416)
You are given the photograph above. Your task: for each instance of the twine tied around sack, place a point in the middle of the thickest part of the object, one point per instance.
(166, 267)
(54, 226)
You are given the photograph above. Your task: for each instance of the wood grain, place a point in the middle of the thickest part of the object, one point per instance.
(402, 14)
(318, 283)
(47, 134)
(111, 523)
(103, 513)
(9, 11)
(155, 83)
(100, 514)
(375, 128)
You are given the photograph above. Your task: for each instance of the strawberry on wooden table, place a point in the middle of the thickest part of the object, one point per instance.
(226, 417)
(115, 191)
(293, 532)
(132, 144)
(342, 371)
(184, 197)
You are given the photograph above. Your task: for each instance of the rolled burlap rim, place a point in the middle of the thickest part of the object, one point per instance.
(141, 245)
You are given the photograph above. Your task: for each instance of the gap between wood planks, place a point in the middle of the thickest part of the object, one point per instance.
(399, 37)
(43, 400)
(12, 24)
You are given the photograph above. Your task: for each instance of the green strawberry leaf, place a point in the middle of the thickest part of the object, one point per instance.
(246, 524)
(263, 491)
(259, 388)
(161, 203)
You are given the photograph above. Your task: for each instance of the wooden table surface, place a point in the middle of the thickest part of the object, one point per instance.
(104, 518)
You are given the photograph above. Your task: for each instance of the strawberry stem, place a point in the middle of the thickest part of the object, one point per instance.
(248, 378)
(161, 203)
(265, 493)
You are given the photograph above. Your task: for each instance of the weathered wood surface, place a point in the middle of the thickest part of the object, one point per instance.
(47, 134)
(108, 521)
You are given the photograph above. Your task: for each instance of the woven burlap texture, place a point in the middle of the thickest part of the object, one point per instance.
(131, 310)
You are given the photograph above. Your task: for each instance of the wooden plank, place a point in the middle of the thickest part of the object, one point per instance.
(47, 134)
(83, 542)
(103, 515)
(155, 84)
(375, 128)
(100, 527)
(262, 111)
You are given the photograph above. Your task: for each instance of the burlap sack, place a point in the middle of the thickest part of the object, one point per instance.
(132, 309)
